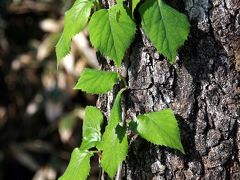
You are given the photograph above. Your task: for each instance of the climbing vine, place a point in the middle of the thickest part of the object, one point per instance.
(112, 31)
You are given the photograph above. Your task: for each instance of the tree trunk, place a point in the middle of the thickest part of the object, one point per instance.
(203, 89)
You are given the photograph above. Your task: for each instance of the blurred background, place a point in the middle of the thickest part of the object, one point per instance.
(40, 113)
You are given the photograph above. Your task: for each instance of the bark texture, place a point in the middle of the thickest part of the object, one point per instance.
(203, 89)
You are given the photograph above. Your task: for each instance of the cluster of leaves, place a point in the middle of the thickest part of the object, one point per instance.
(160, 128)
(111, 32)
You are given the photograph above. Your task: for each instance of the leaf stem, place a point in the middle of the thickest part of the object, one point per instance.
(124, 82)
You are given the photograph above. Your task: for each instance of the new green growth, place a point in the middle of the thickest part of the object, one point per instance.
(112, 31)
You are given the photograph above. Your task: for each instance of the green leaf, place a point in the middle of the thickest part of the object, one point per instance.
(166, 27)
(115, 148)
(160, 128)
(116, 112)
(120, 2)
(75, 20)
(114, 144)
(134, 5)
(79, 166)
(115, 115)
(91, 127)
(111, 32)
(96, 81)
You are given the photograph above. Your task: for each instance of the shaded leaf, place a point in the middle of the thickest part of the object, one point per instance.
(114, 144)
(116, 112)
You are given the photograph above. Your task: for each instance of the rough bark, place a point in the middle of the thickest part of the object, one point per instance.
(203, 89)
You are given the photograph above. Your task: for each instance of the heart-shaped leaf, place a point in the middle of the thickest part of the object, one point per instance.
(111, 32)
(160, 128)
(166, 27)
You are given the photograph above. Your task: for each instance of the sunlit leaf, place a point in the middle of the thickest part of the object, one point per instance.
(115, 148)
(166, 27)
(111, 32)
(134, 5)
(91, 127)
(160, 128)
(75, 20)
(79, 166)
(96, 81)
